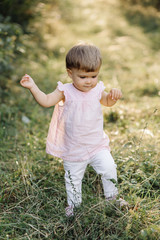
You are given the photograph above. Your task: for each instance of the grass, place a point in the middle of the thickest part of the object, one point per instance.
(32, 190)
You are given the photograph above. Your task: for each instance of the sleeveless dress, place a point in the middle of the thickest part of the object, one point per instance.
(76, 128)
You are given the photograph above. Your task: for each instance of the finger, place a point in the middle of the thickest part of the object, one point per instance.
(26, 78)
(113, 95)
(119, 94)
(110, 94)
(23, 81)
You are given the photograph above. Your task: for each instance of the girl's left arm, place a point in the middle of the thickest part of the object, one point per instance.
(109, 99)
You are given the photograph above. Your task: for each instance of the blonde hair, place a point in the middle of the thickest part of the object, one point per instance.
(85, 57)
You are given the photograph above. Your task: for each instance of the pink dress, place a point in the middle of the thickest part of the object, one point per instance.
(76, 128)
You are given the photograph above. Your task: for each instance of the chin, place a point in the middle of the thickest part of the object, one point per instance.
(87, 90)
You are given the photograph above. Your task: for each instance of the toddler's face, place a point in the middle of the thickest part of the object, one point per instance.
(83, 81)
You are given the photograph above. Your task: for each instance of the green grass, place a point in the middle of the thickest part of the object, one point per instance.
(32, 190)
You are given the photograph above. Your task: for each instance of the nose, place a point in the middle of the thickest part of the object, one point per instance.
(88, 80)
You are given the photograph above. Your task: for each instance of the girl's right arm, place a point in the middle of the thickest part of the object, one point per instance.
(45, 100)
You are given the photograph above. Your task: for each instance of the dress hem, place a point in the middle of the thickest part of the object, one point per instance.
(54, 154)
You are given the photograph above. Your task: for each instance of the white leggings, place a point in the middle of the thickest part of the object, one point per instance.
(103, 164)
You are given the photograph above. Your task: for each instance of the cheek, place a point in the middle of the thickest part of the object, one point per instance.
(77, 82)
(95, 81)
(80, 81)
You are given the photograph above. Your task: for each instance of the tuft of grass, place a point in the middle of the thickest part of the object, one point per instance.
(111, 117)
(148, 90)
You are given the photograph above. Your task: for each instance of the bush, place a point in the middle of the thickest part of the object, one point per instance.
(19, 11)
(10, 45)
(146, 3)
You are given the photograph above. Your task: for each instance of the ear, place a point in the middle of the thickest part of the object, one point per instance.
(69, 71)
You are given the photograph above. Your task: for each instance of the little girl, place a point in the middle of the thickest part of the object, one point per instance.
(76, 130)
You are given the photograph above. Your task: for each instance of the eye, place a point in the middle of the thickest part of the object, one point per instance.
(94, 76)
(82, 77)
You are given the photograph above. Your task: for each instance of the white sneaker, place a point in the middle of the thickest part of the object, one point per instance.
(122, 203)
(69, 211)
(111, 198)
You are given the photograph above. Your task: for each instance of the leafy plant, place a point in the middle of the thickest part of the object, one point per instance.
(146, 3)
(19, 11)
(11, 45)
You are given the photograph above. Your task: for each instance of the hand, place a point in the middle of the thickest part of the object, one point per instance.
(27, 81)
(115, 94)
